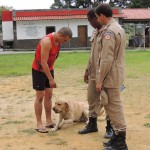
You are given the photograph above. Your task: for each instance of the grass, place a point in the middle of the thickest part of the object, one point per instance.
(14, 122)
(15, 64)
(147, 125)
(148, 116)
(137, 63)
(29, 131)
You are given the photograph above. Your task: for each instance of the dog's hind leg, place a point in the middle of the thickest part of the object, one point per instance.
(86, 115)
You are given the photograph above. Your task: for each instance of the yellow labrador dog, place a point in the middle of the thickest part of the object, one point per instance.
(70, 112)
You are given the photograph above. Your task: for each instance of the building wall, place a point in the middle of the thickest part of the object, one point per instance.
(37, 29)
(28, 33)
(7, 30)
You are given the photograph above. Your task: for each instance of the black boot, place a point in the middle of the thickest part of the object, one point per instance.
(117, 142)
(109, 130)
(91, 126)
(110, 142)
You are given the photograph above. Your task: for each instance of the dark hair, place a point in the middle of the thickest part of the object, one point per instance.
(91, 14)
(104, 9)
(65, 31)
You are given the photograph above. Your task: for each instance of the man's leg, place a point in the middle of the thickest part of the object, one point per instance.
(116, 114)
(38, 107)
(94, 108)
(109, 128)
(48, 106)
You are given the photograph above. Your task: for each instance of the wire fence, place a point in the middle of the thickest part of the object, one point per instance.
(137, 35)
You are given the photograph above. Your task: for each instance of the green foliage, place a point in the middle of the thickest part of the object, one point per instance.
(140, 3)
(94, 3)
(129, 28)
(57, 4)
(75, 3)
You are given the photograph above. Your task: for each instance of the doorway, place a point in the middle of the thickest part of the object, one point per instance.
(82, 35)
(50, 29)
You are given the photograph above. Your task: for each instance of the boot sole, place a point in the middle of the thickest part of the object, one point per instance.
(109, 148)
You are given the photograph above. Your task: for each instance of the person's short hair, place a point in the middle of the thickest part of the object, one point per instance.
(65, 31)
(91, 14)
(104, 9)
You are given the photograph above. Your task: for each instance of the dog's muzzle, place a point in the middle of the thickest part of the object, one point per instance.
(55, 110)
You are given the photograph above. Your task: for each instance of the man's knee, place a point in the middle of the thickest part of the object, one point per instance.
(40, 96)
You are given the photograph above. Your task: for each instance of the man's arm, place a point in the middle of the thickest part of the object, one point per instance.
(87, 72)
(45, 48)
(107, 57)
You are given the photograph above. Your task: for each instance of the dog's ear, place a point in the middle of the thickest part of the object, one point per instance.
(66, 105)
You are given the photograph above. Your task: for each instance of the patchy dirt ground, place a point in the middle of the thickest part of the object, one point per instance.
(17, 119)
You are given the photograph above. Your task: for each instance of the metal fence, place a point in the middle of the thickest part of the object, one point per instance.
(137, 35)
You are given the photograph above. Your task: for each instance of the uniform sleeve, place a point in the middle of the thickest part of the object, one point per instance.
(91, 41)
(107, 55)
(88, 65)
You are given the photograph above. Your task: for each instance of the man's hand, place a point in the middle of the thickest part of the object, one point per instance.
(86, 76)
(99, 87)
(52, 83)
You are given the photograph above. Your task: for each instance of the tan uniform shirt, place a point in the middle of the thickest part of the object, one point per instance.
(110, 69)
(94, 56)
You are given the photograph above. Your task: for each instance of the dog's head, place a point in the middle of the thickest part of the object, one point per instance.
(61, 107)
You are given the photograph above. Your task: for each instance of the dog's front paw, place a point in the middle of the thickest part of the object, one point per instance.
(53, 129)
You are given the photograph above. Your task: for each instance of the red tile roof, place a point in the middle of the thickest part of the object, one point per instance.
(56, 17)
(22, 15)
(49, 17)
(56, 14)
(139, 14)
(6, 15)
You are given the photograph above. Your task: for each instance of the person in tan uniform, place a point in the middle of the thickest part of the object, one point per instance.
(92, 86)
(110, 69)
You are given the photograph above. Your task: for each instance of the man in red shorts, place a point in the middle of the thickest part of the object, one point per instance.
(43, 74)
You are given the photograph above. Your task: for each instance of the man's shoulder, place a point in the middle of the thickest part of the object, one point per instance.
(46, 41)
(115, 27)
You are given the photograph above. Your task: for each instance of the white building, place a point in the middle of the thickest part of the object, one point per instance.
(22, 29)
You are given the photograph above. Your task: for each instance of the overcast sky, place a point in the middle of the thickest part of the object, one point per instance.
(27, 4)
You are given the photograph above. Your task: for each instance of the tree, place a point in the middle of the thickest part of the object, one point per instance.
(57, 4)
(119, 3)
(130, 3)
(71, 4)
(140, 4)
(94, 3)
(63, 4)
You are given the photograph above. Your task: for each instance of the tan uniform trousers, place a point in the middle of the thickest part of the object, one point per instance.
(114, 109)
(93, 99)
